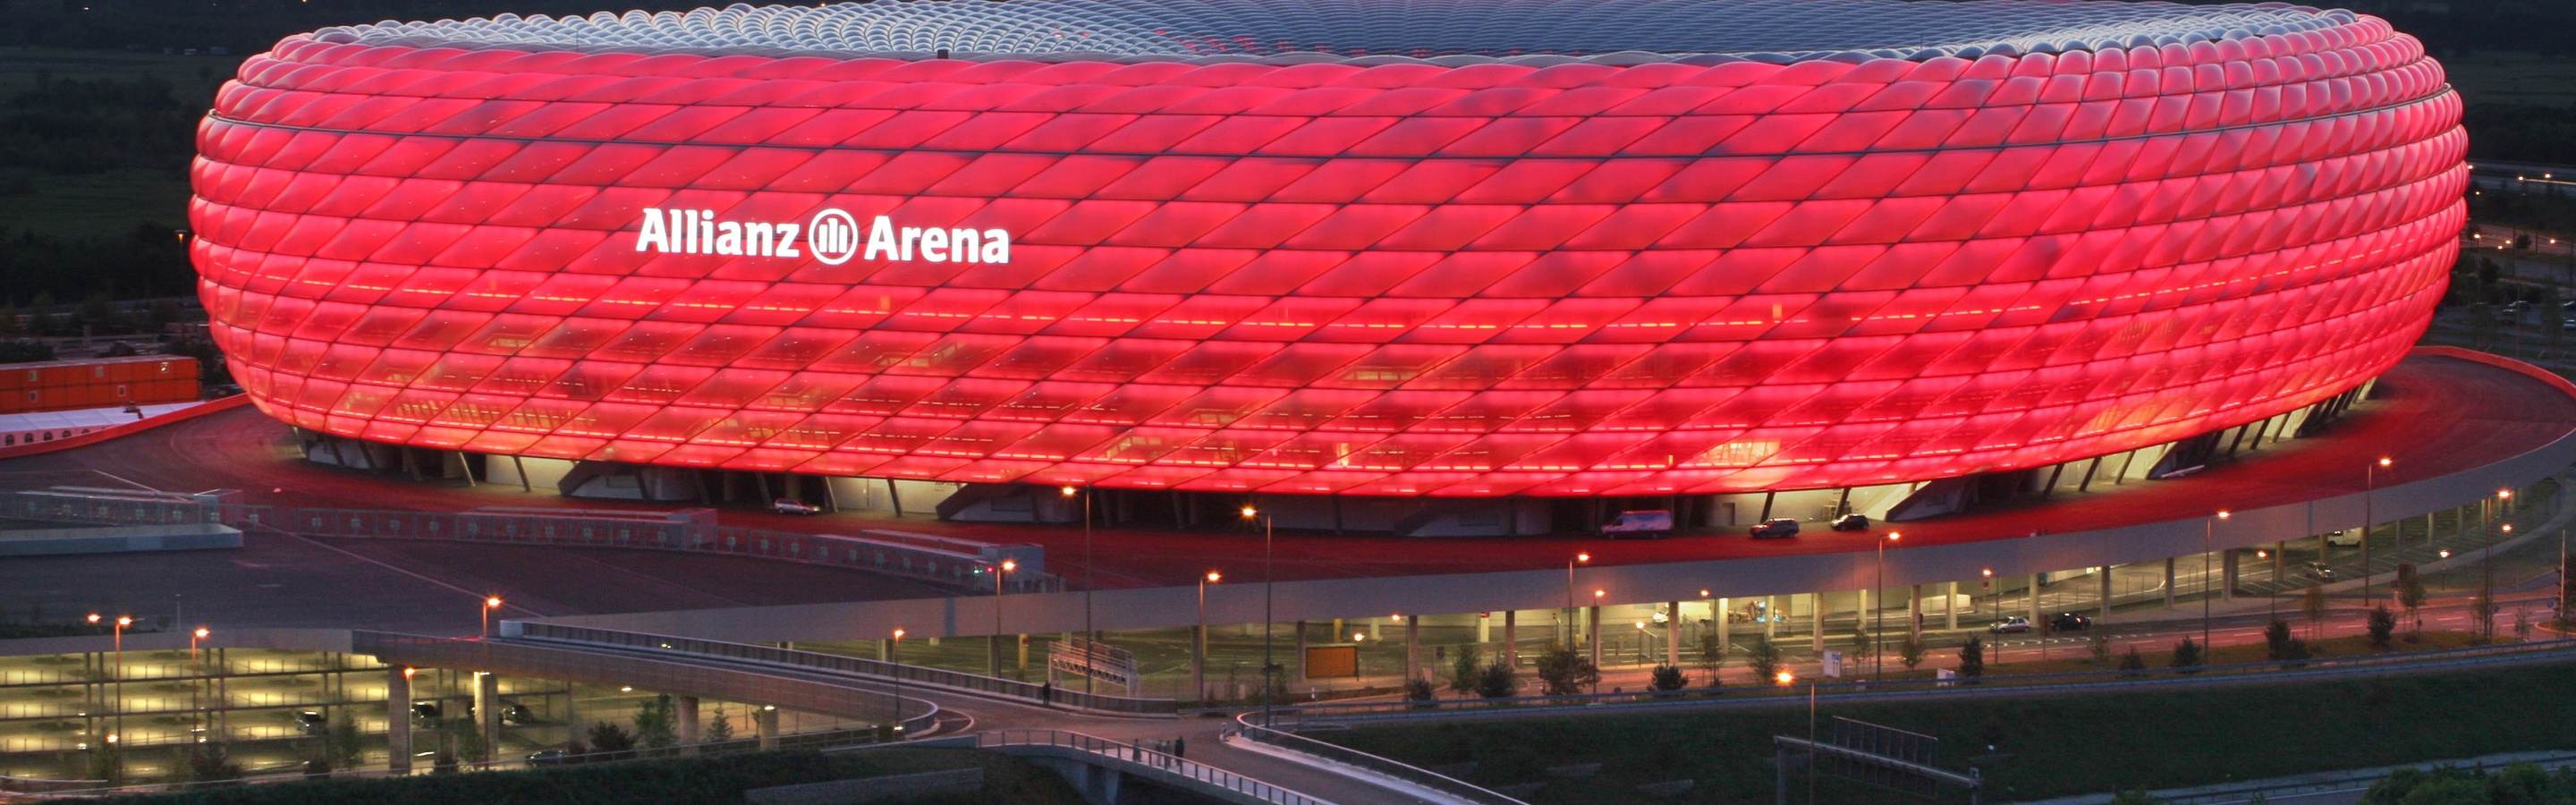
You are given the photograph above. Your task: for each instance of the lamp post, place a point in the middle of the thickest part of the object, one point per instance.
(1269, 575)
(197, 684)
(1198, 640)
(1596, 640)
(118, 690)
(1878, 647)
(2209, 529)
(489, 603)
(894, 653)
(1569, 596)
(2369, 487)
(1089, 678)
(993, 647)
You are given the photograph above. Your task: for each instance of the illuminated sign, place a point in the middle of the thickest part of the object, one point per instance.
(832, 236)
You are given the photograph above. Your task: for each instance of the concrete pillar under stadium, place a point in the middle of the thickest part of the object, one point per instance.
(1511, 639)
(1673, 634)
(765, 724)
(397, 719)
(684, 717)
(2169, 582)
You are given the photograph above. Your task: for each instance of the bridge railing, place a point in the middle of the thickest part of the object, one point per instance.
(552, 662)
(1137, 754)
(915, 674)
(1292, 742)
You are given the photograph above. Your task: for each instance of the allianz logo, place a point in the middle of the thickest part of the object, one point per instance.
(832, 235)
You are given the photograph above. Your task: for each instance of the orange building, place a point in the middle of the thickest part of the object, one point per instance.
(97, 383)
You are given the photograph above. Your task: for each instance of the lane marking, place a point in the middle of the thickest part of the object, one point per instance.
(505, 604)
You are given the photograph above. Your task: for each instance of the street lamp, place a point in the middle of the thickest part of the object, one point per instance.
(894, 653)
(2209, 528)
(2369, 486)
(1088, 681)
(1198, 641)
(1269, 575)
(1580, 558)
(1878, 648)
(489, 603)
(993, 647)
(122, 621)
(197, 684)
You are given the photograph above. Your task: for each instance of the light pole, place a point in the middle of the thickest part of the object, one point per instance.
(1198, 640)
(894, 653)
(2209, 529)
(197, 684)
(1596, 640)
(2486, 620)
(118, 691)
(1089, 678)
(1269, 575)
(1569, 597)
(993, 647)
(1878, 647)
(2369, 487)
(490, 603)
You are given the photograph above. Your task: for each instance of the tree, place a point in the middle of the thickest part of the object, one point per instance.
(107, 764)
(2382, 623)
(654, 723)
(2132, 662)
(208, 763)
(611, 740)
(1667, 678)
(1465, 669)
(2100, 644)
(469, 744)
(2186, 657)
(2314, 604)
(345, 747)
(1912, 650)
(1972, 658)
(1499, 681)
(1563, 671)
(2410, 594)
(2275, 638)
(1418, 689)
(1712, 653)
(1763, 658)
(720, 729)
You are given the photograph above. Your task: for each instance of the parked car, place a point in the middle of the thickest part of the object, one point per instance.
(2320, 571)
(2012, 624)
(1776, 528)
(1851, 522)
(425, 713)
(516, 714)
(1655, 523)
(310, 722)
(2070, 622)
(794, 506)
(550, 757)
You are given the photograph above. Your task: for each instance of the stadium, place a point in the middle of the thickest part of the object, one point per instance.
(1436, 267)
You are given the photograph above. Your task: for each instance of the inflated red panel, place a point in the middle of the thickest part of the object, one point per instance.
(1400, 279)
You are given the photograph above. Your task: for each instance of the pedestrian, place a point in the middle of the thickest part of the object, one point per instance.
(1046, 693)
(1179, 744)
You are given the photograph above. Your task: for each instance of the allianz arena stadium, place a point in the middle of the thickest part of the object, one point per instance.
(1425, 250)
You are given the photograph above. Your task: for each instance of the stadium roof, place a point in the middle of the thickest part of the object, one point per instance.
(1437, 31)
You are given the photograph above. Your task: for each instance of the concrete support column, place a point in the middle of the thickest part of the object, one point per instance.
(1412, 646)
(1295, 667)
(2106, 590)
(1771, 616)
(1950, 607)
(1485, 628)
(397, 720)
(1673, 634)
(1511, 639)
(1198, 661)
(2279, 548)
(1816, 621)
(487, 712)
(1725, 617)
(765, 722)
(1914, 612)
(1594, 619)
(571, 716)
(2034, 602)
(2169, 582)
(684, 716)
(2227, 566)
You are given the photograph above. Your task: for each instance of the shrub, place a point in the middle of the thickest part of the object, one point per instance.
(1564, 671)
(2133, 662)
(1763, 657)
(1498, 681)
(1972, 658)
(1667, 678)
(1466, 669)
(2186, 657)
(1418, 689)
(2382, 624)
(2276, 639)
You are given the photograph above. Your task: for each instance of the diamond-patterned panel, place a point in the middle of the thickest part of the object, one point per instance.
(1379, 277)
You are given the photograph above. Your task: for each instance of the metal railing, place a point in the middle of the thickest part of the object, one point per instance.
(946, 561)
(1136, 756)
(1291, 742)
(840, 664)
(676, 675)
(1294, 716)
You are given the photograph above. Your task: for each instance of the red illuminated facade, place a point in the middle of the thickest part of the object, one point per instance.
(1393, 277)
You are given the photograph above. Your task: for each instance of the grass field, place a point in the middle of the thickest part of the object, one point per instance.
(113, 203)
(2041, 746)
(2513, 78)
